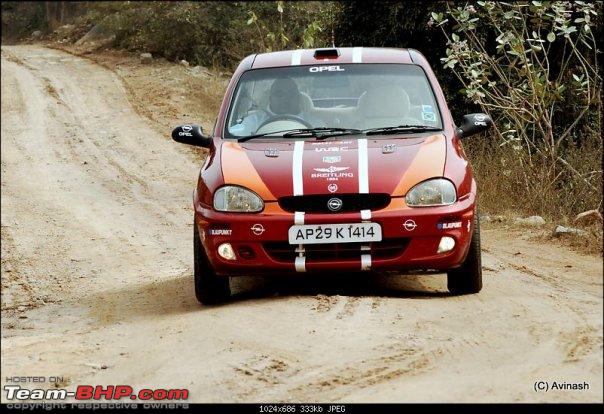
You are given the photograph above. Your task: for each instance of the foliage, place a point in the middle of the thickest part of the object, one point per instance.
(400, 24)
(21, 18)
(294, 25)
(211, 33)
(533, 66)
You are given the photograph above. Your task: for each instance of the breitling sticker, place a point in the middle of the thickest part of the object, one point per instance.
(331, 169)
(331, 174)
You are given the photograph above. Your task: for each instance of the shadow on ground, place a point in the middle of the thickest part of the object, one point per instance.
(176, 295)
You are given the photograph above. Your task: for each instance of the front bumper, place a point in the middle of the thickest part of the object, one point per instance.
(260, 240)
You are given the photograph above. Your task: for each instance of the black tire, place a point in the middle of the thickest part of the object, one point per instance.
(467, 278)
(209, 288)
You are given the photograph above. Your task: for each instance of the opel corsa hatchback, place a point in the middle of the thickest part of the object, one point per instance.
(343, 159)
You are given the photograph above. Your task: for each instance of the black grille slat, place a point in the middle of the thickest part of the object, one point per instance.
(350, 202)
(386, 249)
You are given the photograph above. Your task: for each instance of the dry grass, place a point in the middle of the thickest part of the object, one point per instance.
(512, 186)
(588, 244)
(592, 243)
(510, 181)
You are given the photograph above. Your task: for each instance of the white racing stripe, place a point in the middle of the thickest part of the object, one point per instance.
(297, 168)
(365, 262)
(357, 54)
(364, 189)
(300, 264)
(296, 57)
(365, 214)
(299, 217)
(363, 178)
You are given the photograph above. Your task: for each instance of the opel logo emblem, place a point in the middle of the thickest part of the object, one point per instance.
(257, 229)
(187, 128)
(334, 204)
(410, 225)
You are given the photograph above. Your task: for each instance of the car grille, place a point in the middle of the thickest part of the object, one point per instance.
(386, 249)
(350, 202)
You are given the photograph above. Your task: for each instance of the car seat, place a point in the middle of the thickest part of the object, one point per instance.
(384, 106)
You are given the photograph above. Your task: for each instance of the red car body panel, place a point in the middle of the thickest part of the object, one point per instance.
(416, 158)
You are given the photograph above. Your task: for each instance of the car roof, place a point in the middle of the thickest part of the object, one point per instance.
(331, 55)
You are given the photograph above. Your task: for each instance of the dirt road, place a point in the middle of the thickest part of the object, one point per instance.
(97, 280)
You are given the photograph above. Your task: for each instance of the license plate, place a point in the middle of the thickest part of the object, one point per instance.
(335, 233)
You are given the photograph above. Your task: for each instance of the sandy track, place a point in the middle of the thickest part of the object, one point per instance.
(96, 270)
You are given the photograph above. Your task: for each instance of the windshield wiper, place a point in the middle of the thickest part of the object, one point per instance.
(243, 139)
(400, 129)
(322, 132)
(318, 133)
(325, 132)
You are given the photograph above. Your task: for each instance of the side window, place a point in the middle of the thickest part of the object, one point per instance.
(242, 103)
(249, 107)
(423, 102)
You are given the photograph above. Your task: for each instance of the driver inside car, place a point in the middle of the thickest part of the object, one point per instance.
(285, 104)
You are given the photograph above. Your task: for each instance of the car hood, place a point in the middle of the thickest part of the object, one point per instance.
(275, 169)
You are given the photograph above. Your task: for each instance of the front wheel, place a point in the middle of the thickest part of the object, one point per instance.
(209, 288)
(468, 277)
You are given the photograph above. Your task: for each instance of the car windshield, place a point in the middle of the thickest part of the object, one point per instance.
(356, 96)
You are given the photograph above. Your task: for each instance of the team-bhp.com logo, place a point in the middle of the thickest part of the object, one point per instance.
(98, 392)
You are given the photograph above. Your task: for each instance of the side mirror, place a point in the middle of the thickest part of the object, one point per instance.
(192, 135)
(473, 124)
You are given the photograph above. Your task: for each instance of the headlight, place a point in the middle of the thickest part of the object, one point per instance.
(237, 199)
(434, 192)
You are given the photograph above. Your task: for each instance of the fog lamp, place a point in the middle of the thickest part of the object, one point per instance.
(446, 244)
(225, 250)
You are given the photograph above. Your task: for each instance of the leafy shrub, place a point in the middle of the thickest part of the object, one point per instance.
(20, 19)
(211, 33)
(533, 67)
(402, 24)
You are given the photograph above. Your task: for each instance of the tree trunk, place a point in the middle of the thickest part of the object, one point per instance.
(47, 4)
(62, 16)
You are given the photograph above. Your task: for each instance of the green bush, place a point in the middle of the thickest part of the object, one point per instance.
(21, 18)
(211, 33)
(402, 24)
(533, 66)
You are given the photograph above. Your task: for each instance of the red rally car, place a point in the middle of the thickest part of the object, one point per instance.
(338, 159)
